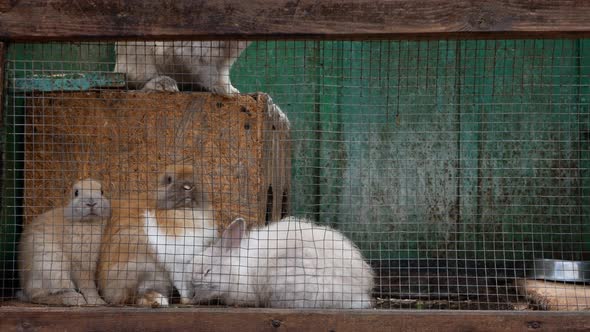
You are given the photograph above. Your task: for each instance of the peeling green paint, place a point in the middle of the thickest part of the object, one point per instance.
(440, 149)
(67, 82)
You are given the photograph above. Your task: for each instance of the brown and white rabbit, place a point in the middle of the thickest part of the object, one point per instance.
(128, 271)
(59, 249)
(291, 263)
(175, 244)
(162, 65)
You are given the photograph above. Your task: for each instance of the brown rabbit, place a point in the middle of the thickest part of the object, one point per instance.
(128, 271)
(59, 249)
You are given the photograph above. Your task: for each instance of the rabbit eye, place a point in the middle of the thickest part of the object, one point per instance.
(207, 272)
(102, 192)
(169, 179)
(76, 193)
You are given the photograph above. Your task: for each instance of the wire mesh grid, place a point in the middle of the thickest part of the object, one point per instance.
(416, 174)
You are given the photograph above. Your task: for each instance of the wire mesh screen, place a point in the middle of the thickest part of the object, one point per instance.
(302, 174)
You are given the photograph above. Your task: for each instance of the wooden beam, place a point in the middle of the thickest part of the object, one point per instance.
(240, 319)
(3, 49)
(335, 19)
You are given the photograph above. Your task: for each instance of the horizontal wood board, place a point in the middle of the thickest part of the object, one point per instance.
(237, 319)
(108, 19)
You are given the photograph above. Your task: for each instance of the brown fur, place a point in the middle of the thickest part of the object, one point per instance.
(127, 271)
(172, 222)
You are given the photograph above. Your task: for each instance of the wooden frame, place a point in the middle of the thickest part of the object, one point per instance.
(33, 20)
(336, 19)
(240, 319)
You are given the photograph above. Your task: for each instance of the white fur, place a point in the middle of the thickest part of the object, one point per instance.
(292, 263)
(175, 253)
(161, 65)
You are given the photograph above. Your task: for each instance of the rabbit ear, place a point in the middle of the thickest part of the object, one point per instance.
(233, 235)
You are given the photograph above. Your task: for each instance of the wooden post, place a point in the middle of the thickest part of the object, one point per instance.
(3, 48)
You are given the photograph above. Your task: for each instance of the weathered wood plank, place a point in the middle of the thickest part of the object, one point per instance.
(3, 49)
(520, 166)
(584, 147)
(529, 163)
(103, 19)
(389, 132)
(374, 132)
(471, 93)
(29, 59)
(399, 131)
(6, 230)
(332, 145)
(68, 82)
(11, 169)
(236, 319)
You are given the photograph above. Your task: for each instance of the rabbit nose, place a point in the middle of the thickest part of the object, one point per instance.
(188, 186)
(91, 204)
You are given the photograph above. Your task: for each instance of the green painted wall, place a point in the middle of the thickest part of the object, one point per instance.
(456, 149)
(419, 150)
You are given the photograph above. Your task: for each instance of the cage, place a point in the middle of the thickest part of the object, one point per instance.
(453, 162)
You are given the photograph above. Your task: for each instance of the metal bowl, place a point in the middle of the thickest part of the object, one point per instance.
(560, 270)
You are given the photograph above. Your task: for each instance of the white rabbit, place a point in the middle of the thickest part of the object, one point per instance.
(176, 252)
(292, 263)
(163, 65)
(59, 249)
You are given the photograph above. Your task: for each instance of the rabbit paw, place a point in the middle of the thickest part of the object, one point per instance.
(184, 300)
(160, 83)
(153, 299)
(73, 298)
(226, 90)
(95, 301)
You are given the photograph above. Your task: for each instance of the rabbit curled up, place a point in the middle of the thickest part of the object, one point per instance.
(292, 263)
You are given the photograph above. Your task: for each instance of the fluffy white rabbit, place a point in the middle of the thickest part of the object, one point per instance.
(176, 252)
(292, 263)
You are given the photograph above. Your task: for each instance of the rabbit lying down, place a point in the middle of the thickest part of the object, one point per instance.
(292, 263)
(175, 253)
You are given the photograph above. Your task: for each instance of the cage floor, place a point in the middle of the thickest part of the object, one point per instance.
(392, 293)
